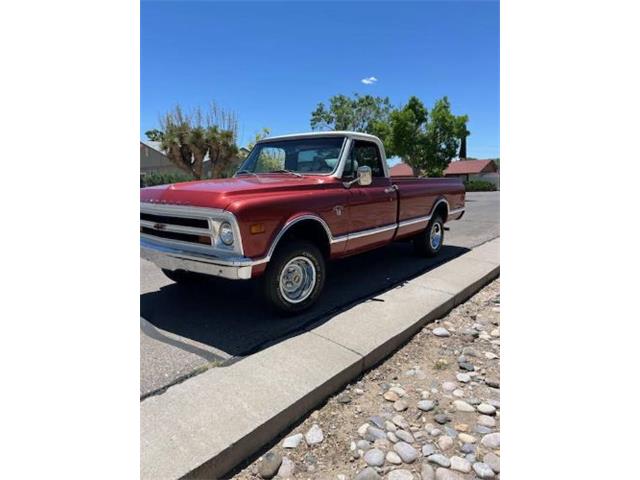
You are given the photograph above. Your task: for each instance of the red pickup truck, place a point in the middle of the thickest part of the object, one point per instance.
(296, 202)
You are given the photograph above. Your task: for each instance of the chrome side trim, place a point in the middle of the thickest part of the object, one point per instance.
(413, 221)
(456, 211)
(372, 231)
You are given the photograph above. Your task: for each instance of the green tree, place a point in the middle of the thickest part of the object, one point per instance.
(187, 139)
(154, 135)
(427, 141)
(360, 114)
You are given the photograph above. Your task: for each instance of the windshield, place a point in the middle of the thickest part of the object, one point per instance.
(303, 155)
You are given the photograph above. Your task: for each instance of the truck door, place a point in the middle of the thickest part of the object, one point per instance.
(372, 209)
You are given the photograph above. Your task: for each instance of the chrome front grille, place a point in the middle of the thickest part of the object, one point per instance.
(175, 223)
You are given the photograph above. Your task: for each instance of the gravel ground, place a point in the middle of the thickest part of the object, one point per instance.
(430, 411)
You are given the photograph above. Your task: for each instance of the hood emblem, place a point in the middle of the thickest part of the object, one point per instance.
(159, 226)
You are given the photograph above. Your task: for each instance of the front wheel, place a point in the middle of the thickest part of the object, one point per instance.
(294, 277)
(430, 241)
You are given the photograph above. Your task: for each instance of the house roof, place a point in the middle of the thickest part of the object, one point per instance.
(157, 146)
(462, 167)
(401, 170)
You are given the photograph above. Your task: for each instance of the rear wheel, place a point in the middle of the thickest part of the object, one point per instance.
(294, 277)
(430, 241)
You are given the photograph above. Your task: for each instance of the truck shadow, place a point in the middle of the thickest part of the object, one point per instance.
(232, 317)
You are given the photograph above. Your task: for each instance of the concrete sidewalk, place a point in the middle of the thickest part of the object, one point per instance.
(207, 425)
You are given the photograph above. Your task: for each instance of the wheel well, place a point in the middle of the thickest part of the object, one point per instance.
(309, 230)
(442, 211)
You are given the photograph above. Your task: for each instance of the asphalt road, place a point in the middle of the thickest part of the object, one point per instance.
(184, 330)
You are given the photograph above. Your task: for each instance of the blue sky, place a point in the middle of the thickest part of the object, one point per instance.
(272, 62)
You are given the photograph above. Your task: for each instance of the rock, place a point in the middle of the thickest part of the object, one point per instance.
(393, 458)
(494, 403)
(492, 382)
(400, 406)
(400, 422)
(405, 436)
(441, 332)
(314, 436)
(490, 355)
(358, 391)
(460, 464)
(390, 426)
(363, 445)
(428, 449)
(374, 434)
(293, 441)
(466, 366)
(493, 461)
(461, 427)
(442, 418)
(466, 438)
(462, 406)
(391, 396)
(491, 440)
(458, 393)
(439, 459)
(426, 405)
(381, 443)
(468, 448)
(445, 442)
(470, 457)
(398, 391)
(344, 398)
(377, 421)
(446, 474)
(495, 332)
(362, 429)
(486, 421)
(483, 470)
(427, 472)
(287, 468)
(486, 409)
(449, 386)
(400, 474)
(374, 457)
(407, 453)
(392, 437)
(482, 429)
(368, 474)
(420, 436)
(269, 465)
(463, 377)
(435, 432)
(341, 476)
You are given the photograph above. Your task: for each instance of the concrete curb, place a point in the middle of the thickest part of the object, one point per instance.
(206, 426)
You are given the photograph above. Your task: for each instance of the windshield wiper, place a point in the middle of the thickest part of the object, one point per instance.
(240, 172)
(284, 170)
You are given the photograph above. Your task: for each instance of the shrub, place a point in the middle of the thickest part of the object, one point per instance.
(159, 178)
(479, 186)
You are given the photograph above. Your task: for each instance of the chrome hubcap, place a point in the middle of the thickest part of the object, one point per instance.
(297, 279)
(435, 236)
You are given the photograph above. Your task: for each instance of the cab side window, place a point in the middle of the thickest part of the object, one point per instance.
(364, 153)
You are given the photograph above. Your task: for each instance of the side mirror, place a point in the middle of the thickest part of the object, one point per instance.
(365, 177)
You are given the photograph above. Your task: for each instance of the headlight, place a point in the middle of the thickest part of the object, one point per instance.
(226, 233)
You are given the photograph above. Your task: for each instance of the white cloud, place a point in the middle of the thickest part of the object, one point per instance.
(369, 80)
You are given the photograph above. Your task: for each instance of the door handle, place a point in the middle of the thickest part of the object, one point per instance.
(390, 189)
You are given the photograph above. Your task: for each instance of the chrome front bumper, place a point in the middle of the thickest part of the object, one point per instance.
(171, 258)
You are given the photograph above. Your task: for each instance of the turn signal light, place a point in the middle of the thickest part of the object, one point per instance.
(257, 228)
(204, 239)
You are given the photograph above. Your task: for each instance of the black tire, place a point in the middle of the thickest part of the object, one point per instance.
(182, 276)
(309, 255)
(422, 243)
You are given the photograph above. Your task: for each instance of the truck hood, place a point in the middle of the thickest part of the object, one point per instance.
(219, 193)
